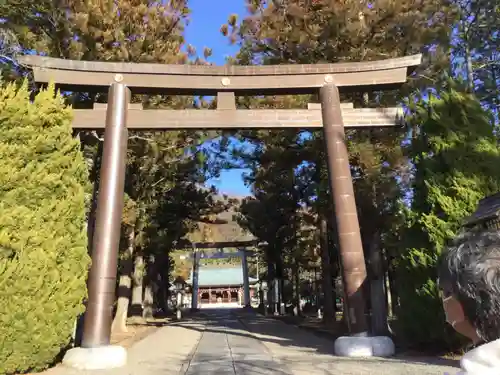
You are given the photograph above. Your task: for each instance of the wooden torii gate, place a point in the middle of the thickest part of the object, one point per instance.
(122, 79)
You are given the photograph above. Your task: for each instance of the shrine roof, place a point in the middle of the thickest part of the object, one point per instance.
(214, 276)
(487, 209)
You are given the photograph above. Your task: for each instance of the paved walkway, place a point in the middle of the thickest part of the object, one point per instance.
(304, 353)
(235, 342)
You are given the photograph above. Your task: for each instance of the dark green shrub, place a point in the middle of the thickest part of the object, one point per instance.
(43, 240)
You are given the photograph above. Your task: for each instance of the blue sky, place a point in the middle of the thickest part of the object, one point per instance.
(203, 31)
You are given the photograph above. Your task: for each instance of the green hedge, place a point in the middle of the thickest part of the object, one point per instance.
(43, 239)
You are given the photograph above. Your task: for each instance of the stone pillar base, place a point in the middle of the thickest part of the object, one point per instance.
(364, 346)
(101, 358)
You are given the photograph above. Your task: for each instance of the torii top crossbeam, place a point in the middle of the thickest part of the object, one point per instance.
(227, 244)
(209, 80)
(226, 82)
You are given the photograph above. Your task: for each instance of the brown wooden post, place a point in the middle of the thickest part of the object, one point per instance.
(102, 276)
(342, 193)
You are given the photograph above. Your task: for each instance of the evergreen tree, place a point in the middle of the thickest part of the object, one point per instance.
(9, 49)
(455, 157)
(275, 215)
(295, 31)
(158, 163)
(43, 240)
(476, 50)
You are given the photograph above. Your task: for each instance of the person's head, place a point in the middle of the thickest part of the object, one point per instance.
(469, 280)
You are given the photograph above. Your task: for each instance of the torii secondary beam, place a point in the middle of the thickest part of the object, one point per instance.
(236, 119)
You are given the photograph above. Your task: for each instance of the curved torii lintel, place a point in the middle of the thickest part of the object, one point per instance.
(76, 75)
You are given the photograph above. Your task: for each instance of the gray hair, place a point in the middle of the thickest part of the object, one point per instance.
(470, 271)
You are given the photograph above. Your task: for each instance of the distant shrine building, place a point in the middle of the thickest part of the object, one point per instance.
(222, 286)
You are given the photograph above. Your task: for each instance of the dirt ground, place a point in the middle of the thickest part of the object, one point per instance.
(137, 330)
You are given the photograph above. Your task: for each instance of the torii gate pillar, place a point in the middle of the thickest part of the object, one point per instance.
(246, 284)
(349, 236)
(195, 284)
(96, 351)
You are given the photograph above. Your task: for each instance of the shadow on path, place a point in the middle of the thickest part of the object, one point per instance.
(271, 330)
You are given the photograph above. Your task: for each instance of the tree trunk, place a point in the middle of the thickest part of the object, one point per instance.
(94, 177)
(282, 296)
(150, 288)
(163, 295)
(297, 287)
(328, 307)
(124, 285)
(495, 97)
(138, 286)
(276, 289)
(468, 56)
(470, 70)
(391, 277)
(147, 312)
(279, 274)
(270, 288)
(163, 283)
(388, 294)
(377, 290)
(334, 263)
